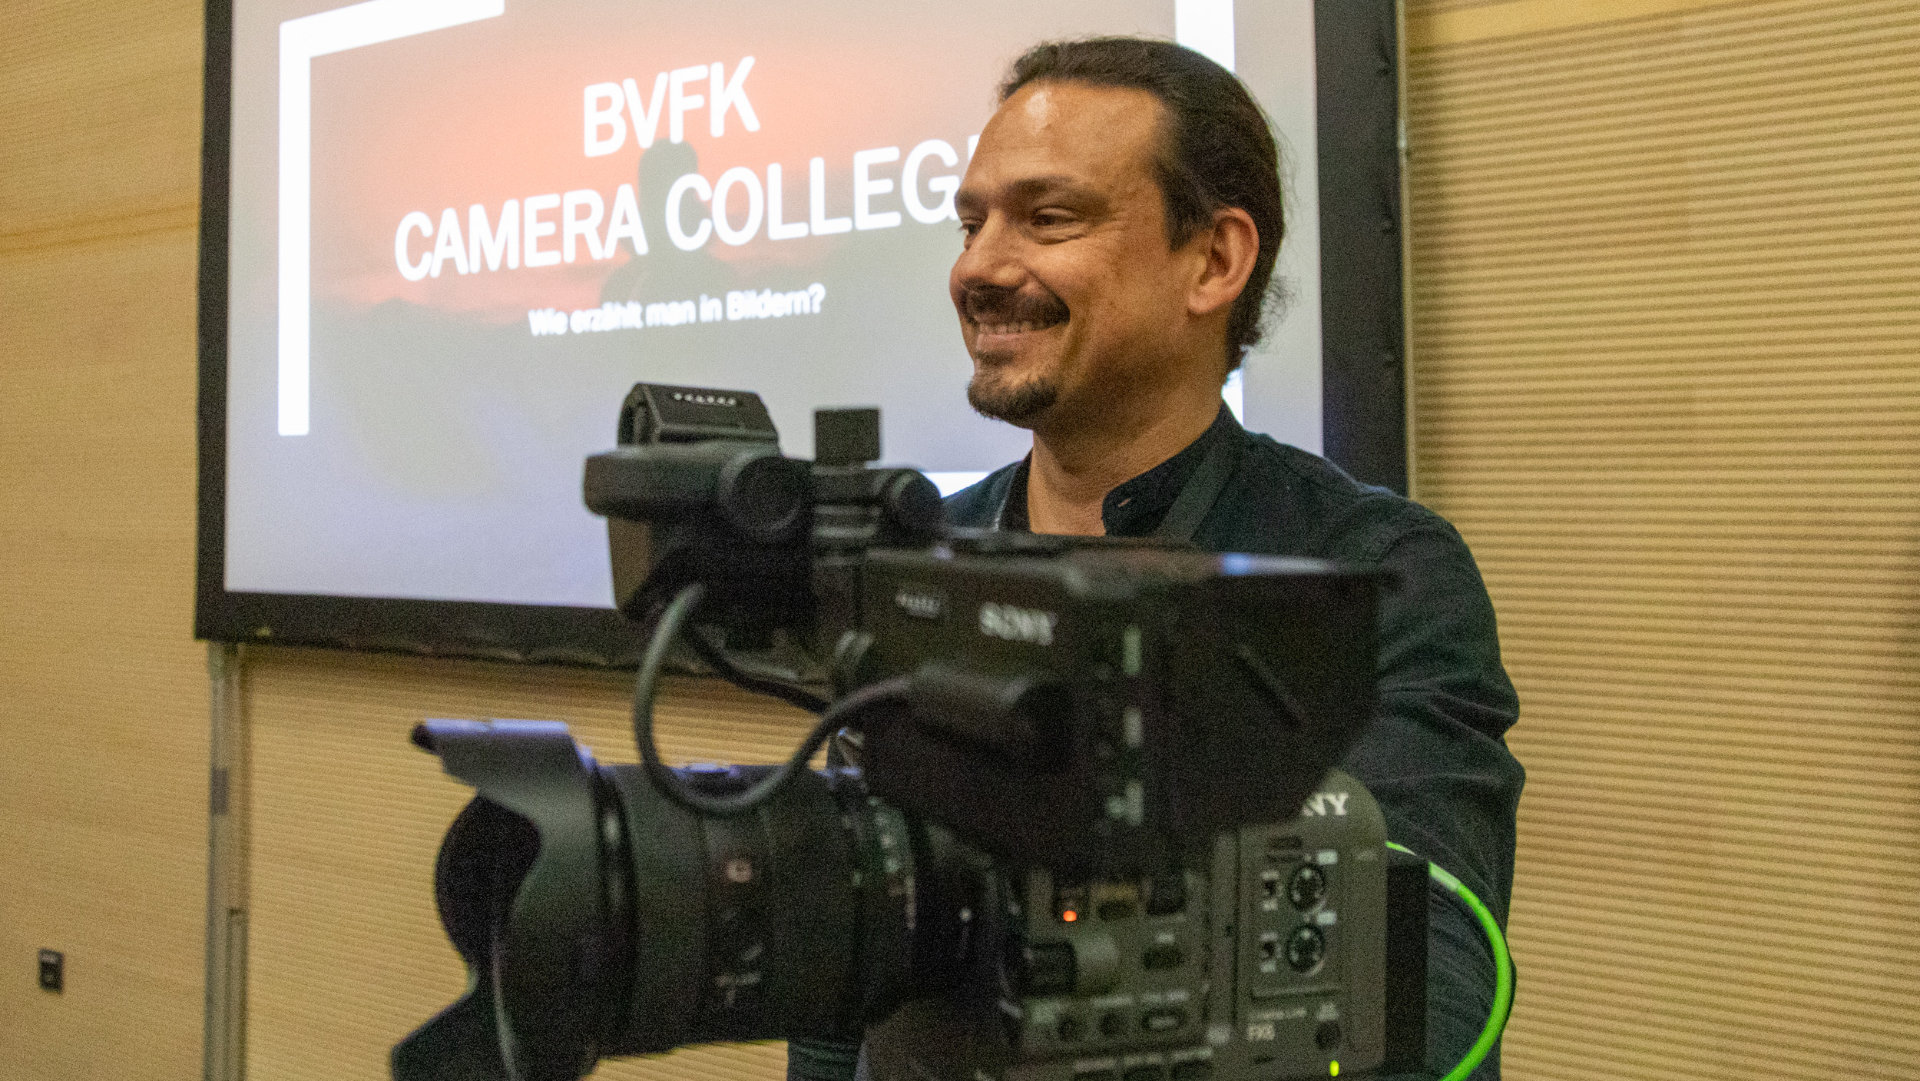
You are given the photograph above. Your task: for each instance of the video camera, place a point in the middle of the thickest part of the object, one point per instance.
(1078, 822)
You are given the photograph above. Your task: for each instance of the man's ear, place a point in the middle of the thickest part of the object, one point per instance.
(1228, 249)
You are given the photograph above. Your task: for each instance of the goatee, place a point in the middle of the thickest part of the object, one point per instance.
(1017, 405)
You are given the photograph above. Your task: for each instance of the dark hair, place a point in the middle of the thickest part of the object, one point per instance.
(1216, 151)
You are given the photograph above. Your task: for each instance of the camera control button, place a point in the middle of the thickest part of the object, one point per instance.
(1305, 949)
(1163, 1020)
(1327, 1036)
(1049, 968)
(1166, 894)
(1113, 1024)
(1168, 955)
(1307, 887)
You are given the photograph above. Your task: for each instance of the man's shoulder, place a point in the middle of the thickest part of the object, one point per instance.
(978, 504)
(1319, 508)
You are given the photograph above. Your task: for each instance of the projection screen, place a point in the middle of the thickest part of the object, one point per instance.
(441, 238)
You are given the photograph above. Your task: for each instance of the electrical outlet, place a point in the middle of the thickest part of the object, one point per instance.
(53, 971)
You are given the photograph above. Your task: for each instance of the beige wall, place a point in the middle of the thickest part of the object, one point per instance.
(103, 715)
(1667, 370)
(1666, 383)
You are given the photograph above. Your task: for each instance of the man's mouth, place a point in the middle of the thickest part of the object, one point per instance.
(984, 329)
(994, 313)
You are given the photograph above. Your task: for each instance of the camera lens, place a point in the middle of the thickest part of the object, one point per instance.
(597, 917)
(801, 915)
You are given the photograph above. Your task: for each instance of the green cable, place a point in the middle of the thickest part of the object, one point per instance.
(1502, 966)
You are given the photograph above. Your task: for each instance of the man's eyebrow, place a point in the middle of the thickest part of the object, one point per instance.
(1025, 189)
(1031, 187)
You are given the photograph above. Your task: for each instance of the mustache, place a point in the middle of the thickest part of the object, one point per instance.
(998, 304)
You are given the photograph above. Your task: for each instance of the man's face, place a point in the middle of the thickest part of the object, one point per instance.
(1070, 298)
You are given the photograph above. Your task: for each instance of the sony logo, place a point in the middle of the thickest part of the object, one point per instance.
(920, 605)
(727, 400)
(1325, 803)
(1017, 624)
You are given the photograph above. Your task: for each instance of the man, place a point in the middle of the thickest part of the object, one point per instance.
(1121, 218)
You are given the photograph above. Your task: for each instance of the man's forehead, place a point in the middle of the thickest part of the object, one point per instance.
(1065, 129)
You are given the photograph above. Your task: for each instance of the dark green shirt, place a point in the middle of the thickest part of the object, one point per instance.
(1434, 757)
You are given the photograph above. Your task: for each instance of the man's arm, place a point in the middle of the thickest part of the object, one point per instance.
(1435, 760)
(822, 1060)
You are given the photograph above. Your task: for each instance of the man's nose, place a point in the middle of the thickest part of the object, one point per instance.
(991, 259)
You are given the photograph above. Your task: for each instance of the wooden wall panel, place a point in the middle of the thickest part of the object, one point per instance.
(1666, 290)
(103, 706)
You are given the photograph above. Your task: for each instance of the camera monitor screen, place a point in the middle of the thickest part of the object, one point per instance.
(442, 238)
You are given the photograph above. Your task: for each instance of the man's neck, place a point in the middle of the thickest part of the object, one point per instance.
(1075, 466)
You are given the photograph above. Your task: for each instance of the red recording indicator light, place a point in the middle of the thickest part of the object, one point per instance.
(1069, 901)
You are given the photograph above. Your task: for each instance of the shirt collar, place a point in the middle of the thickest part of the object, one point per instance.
(1134, 508)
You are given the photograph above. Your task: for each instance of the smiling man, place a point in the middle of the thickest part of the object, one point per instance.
(1121, 219)
(1104, 292)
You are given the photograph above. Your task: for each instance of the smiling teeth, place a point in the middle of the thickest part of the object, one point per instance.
(1008, 328)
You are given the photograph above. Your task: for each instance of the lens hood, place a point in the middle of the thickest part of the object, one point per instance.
(527, 892)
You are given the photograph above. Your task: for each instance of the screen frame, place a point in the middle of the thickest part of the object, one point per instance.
(1363, 366)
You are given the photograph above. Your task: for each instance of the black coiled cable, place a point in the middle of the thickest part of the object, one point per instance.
(673, 620)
